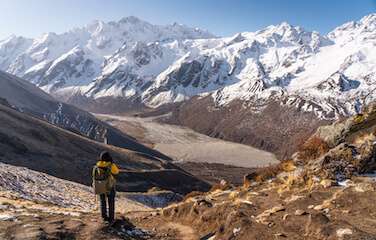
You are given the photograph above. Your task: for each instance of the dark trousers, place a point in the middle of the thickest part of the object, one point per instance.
(108, 199)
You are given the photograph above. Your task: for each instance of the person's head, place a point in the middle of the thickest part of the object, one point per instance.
(105, 156)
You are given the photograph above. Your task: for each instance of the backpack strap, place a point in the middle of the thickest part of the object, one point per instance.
(97, 170)
(94, 171)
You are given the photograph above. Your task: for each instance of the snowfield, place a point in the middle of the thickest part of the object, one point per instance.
(133, 59)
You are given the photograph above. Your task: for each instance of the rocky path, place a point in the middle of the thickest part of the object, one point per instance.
(22, 219)
(184, 232)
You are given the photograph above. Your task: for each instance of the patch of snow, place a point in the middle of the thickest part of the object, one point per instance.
(344, 183)
(235, 231)
(342, 232)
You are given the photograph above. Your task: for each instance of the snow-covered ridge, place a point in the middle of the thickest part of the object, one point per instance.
(133, 59)
(75, 58)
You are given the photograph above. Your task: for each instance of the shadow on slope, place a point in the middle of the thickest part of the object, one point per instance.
(35, 144)
(28, 98)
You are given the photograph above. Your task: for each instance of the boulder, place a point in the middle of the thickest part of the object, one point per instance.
(335, 134)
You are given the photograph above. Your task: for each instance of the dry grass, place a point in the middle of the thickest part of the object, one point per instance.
(262, 174)
(220, 186)
(366, 137)
(359, 118)
(265, 173)
(268, 172)
(288, 165)
(192, 195)
(313, 148)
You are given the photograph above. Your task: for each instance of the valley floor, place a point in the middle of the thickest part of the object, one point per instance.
(186, 145)
(192, 150)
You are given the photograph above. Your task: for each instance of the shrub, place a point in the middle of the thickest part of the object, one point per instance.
(313, 148)
(262, 174)
(288, 165)
(268, 172)
(359, 118)
(365, 137)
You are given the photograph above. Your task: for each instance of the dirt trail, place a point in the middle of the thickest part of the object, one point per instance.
(184, 232)
(23, 219)
(186, 145)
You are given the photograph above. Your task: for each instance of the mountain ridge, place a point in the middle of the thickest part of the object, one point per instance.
(280, 67)
(156, 65)
(27, 98)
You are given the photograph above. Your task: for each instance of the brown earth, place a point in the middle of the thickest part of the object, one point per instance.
(264, 212)
(304, 199)
(213, 173)
(36, 225)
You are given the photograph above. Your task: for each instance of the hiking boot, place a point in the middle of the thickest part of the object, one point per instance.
(106, 219)
(111, 222)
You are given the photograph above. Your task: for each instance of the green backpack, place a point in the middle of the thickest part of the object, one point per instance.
(103, 181)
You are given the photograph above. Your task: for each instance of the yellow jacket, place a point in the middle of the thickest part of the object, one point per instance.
(114, 168)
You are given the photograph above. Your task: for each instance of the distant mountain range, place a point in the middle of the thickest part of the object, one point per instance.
(120, 66)
(155, 65)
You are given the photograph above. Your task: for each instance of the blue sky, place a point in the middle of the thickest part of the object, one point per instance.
(222, 17)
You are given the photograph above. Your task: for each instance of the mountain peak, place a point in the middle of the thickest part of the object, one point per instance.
(285, 25)
(369, 19)
(280, 29)
(13, 38)
(282, 26)
(348, 30)
(130, 19)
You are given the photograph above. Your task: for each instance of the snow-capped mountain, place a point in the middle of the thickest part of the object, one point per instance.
(156, 65)
(76, 57)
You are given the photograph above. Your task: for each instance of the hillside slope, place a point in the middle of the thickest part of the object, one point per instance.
(28, 98)
(273, 128)
(38, 145)
(35, 205)
(326, 192)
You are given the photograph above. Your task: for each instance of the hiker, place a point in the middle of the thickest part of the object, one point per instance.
(104, 181)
